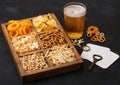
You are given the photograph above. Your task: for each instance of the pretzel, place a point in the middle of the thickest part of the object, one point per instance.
(102, 40)
(51, 38)
(101, 37)
(95, 38)
(98, 37)
(95, 35)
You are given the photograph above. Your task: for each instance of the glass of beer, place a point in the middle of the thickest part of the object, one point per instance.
(74, 17)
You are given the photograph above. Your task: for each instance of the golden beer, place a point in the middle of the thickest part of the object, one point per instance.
(74, 17)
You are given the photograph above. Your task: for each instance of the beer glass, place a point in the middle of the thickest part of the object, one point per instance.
(74, 17)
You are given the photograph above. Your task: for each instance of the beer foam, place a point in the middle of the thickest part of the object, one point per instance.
(74, 11)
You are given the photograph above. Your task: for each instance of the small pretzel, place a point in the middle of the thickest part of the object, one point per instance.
(51, 38)
(95, 35)
(102, 34)
(26, 30)
(89, 34)
(102, 40)
(98, 37)
(94, 38)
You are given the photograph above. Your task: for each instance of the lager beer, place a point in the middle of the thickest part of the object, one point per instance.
(74, 17)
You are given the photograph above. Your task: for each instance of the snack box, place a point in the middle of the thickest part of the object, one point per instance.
(52, 53)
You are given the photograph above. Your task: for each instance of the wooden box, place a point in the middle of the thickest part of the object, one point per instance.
(52, 69)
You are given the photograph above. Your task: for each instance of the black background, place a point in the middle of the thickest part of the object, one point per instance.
(102, 13)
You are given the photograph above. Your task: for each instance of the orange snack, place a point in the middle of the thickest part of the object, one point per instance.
(19, 28)
(92, 30)
(94, 38)
(95, 35)
(89, 34)
(13, 26)
(11, 21)
(98, 37)
(13, 34)
(102, 39)
(26, 30)
(26, 23)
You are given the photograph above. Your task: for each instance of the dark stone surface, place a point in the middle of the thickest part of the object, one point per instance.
(102, 13)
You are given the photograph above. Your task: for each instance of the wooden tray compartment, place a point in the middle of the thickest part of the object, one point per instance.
(52, 69)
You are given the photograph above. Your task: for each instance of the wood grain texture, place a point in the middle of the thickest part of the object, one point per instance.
(51, 70)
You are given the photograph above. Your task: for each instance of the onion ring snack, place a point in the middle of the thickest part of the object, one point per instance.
(19, 27)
